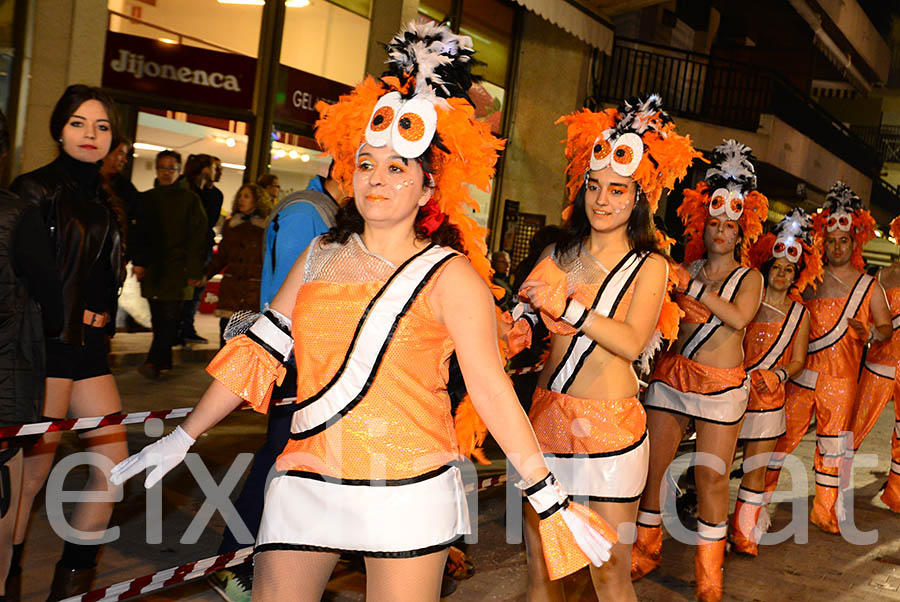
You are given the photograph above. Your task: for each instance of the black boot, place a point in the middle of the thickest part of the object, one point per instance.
(69, 582)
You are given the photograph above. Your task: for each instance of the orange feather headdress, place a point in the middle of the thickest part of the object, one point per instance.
(420, 105)
(638, 139)
(843, 210)
(895, 228)
(728, 190)
(792, 238)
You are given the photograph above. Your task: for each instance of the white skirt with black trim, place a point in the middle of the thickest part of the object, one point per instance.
(390, 519)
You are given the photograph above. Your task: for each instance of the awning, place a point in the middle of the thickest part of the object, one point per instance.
(580, 23)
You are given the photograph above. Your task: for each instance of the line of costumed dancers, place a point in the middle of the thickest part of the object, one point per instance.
(377, 310)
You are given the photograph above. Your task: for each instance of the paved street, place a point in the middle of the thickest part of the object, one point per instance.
(827, 568)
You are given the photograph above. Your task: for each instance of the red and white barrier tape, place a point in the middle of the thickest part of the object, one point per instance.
(77, 424)
(199, 568)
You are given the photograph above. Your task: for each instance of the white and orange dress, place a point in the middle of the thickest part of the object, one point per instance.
(826, 387)
(681, 385)
(767, 345)
(597, 448)
(371, 465)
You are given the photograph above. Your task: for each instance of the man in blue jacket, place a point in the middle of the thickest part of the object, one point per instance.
(295, 222)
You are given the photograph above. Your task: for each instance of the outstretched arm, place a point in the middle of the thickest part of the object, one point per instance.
(738, 313)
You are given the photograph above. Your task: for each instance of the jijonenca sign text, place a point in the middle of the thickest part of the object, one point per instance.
(135, 64)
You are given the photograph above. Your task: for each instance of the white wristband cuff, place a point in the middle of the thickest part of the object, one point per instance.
(575, 314)
(272, 331)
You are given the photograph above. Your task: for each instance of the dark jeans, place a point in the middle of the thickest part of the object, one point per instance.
(249, 503)
(188, 311)
(164, 315)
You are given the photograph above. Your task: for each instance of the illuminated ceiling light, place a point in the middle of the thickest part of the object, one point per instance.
(278, 154)
(878, 233)
(890, 238)
(229, 142)
(234, 166)
(148, 147)
(167, 40)
(294, 154)
(304, 157)
(288, 3)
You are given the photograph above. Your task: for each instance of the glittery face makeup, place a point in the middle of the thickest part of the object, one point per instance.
(838, 247)
(608, 199)
(782, 274)
(720, 234)
(387, 186)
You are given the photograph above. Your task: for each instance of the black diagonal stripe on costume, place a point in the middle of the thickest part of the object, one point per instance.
(571, 349)
(814, 345)
(781, 342)
(706, 330)
(377, 363)
(895, 322)
(268, 348)
(612, 312)
(359, 327)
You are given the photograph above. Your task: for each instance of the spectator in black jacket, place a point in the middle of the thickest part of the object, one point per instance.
(30, 308)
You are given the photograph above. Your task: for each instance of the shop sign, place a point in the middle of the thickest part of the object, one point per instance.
(177, 71)
(298, 92)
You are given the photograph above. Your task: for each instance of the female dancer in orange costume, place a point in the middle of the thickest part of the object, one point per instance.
(878, 381)
(585, 412)
(774, 350)
(846, 311)
(702, 377)
(377, 308)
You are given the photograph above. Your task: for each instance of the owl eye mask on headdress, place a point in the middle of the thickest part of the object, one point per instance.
(789, 248)
(839, 220)
(729, 202)
(408, 126)
(623, 153)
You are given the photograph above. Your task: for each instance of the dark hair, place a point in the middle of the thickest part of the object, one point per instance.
(193, 166)
(266, 180)
(348, 221)
(168, 153)
(75, 96)
(4, 137)
(640, 229)
(798, 268)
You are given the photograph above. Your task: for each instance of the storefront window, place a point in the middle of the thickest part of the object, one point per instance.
(190, 134)
(296, 160)
(209, 24)
(327, 40)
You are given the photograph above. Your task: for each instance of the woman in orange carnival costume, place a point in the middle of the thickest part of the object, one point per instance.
(878, 380)
(774, 350)
(702, 376)
(378, 305)
(847, 310)
(585, 412)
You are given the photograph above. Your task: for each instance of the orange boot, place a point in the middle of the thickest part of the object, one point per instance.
(709, 560)
(742, 530)
(891, 495)
(822, 514)
(646, 553)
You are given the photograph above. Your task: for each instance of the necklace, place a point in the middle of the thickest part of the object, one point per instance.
(773, 308)
(830, 273)
(709, 278)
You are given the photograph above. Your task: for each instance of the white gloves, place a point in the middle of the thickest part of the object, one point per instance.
(165, 454)
(548, 498)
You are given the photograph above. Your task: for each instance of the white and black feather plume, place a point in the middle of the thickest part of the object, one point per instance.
(840, 197)
(796, 224)
(439, 60)
(638, 115)
(731, 164)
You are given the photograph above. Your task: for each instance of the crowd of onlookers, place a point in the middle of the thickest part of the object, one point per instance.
(69, 231)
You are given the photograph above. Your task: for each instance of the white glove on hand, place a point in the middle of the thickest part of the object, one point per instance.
(547, 498)
(165, 454)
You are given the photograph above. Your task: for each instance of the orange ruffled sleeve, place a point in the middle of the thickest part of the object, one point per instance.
(517, 334)
(553, 296)
(248, 371)
(562, 554)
